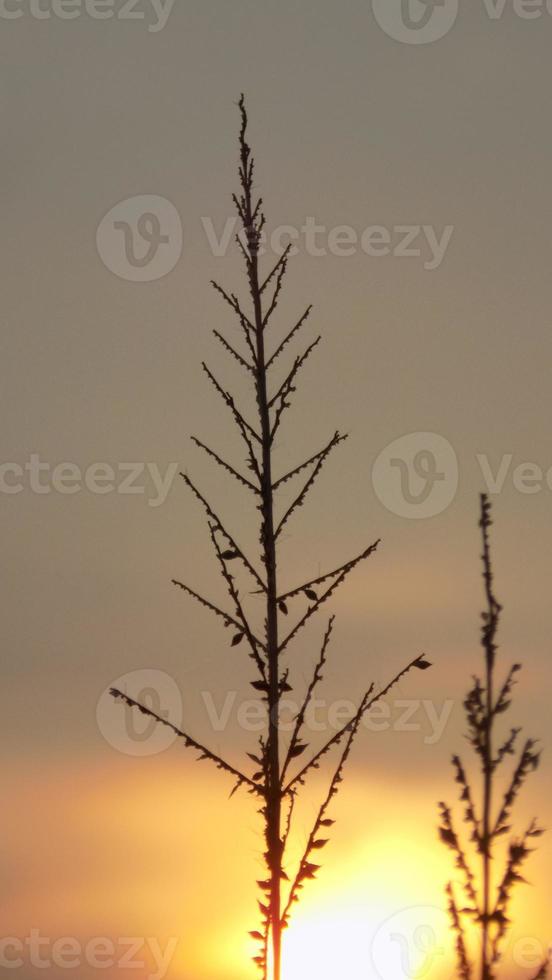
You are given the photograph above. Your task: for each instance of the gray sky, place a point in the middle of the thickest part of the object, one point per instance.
(350, 128)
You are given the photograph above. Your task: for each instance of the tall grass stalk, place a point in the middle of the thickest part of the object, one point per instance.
(278, 774)
(488, 888)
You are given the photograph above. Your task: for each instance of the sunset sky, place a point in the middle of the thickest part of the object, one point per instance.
(350, 127)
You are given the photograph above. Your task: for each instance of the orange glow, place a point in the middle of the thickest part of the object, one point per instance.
(177, 859)
(343, 931)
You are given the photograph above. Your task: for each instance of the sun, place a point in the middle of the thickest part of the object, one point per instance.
(407, 945)
(328, 948)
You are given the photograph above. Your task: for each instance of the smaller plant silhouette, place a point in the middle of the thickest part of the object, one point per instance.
(489, 896)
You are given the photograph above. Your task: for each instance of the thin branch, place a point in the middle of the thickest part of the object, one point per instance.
(234, 595)
(334, 441)
(234, 304)
(503, 701)
(324, 578)
(237, 239)
(227, 397)
(470, 816)
(190, 743)
(420, 663)
(307, 870)
(299, 721)
(226, 466)
(216, 520)
(297, 365)
(245, 322)
(507, 748)
(228, 619)
(344, 572)
(300, 498)
(464, 964)
(242, 425)
(289, 337)
(283, 258)
(280, 276)
(241, 360)
(289, 818)
(528, 762)
(450, 838)
(518, 854)
(287, 387)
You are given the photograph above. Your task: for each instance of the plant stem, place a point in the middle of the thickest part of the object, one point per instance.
(487, 804)
(274, 794)
(489, 632)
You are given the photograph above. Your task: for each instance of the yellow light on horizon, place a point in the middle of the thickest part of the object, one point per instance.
(328, 948)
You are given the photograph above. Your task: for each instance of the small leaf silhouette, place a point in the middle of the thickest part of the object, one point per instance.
(259, 685)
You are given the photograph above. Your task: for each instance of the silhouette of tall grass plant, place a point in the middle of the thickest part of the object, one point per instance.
(277, 770)
(489, 889)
